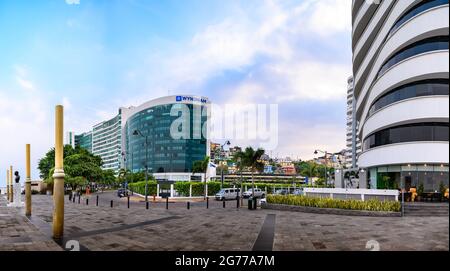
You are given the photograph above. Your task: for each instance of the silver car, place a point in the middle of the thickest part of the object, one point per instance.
(228, 194)
(258, 193)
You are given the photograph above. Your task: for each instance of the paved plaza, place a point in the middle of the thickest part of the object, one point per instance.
(104, 228)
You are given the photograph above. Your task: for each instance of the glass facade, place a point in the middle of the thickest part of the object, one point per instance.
(431, 177)
(408, 133)
(164, 153)
(84, 141)
(426, 45)
(422, 6)
(416, 89)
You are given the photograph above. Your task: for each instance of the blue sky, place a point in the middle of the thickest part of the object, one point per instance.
(96, 55)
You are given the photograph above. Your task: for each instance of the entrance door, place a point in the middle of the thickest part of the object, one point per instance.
(408, 183)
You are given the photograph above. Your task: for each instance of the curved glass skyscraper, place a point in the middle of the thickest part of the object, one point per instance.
(401, 76)
(169, 133)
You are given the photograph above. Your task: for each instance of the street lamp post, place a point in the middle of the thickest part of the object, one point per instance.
(125, 171)
(228, 143)
(138, 133)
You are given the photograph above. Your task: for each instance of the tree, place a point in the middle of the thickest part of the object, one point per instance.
(83, 165)
(201, 166)
(48, 161)
(123, 175)
(80, 167)
(308, 169)
(108, 178)
(252, 160)
(74, 182)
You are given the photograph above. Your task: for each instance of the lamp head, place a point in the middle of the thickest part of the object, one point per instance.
(136, 132)
(316, 152)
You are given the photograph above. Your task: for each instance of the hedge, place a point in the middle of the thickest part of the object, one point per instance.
(139, 187)
(371, 205)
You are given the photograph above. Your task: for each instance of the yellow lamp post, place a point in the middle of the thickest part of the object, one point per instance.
(28, 182)
(11, 188)
(58, 176)
(7, 185)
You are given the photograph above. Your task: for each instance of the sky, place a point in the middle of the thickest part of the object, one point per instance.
(93, 56)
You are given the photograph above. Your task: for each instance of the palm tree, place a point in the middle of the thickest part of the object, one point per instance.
(309, 169)
(252, 160)
(201, 166)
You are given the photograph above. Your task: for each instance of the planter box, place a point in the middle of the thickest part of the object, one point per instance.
(329, 211)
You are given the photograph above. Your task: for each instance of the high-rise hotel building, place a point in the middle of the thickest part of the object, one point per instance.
(353, 146)
(166, 135)
(401, 76)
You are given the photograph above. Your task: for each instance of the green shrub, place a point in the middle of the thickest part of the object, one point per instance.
(139, 187)
(371, 205)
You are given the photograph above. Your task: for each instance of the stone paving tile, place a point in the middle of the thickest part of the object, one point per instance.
(216, 229)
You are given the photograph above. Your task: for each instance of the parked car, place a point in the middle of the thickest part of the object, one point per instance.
(281, 192)
(122, 193)
(258, 193)
(298, 192)
(228, 194)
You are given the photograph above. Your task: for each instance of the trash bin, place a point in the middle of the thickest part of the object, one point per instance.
(250, 203)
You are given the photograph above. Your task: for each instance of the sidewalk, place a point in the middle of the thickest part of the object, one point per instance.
(17, 233)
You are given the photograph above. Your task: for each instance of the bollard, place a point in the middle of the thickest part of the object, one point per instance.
(146, 205)
(223, 203)
(79, 199)
(87, 201)
(237, 203)
(73, 198)
(188, 205)
(111, 203)
(255, 203)
(96, 203)
(167, 203)
(128, 202)
(207, 203)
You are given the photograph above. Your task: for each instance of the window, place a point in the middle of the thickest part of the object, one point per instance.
(408, 133)
(426, 45)
(419, 8)
(416, 89)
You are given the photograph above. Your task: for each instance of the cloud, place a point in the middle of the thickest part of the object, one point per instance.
(21, 74)
(73, 2)
(24, 83)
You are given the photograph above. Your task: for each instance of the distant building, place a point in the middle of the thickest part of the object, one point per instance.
(69, 139)
(353, 145)
(84, 141)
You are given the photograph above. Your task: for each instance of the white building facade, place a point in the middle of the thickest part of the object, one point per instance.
(353, 144)
(401, 73)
